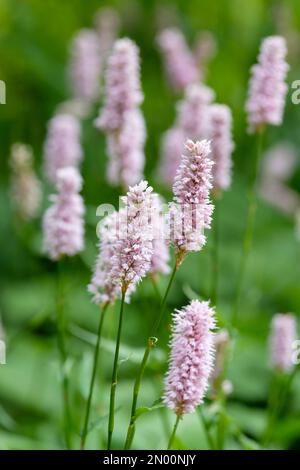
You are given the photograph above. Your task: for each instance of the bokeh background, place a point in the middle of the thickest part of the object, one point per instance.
(34, 44)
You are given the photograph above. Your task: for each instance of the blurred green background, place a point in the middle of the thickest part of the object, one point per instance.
(34, 45)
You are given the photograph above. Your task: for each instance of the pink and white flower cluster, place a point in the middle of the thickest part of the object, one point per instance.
(192, 357)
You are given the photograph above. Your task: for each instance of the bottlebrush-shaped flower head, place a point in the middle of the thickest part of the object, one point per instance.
(221, 145)
(126, 251)
(267, 92)
(180, 64)
(172, 146)
(26, 190)
(63, 224)
(123, 91)
(62, 146)
(191, 211)
(283, 336)
(161, 255)
(191, 358)
(193, 111)
(126, 151)
(101, 286)
(86, 64)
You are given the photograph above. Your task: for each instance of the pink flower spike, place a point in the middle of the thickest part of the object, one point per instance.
(267, 91)
(180, 64)
(86, 64)
(63, 224)
(222, 145)
(191, 357)
(191, 211)
(282, 339)
(62, 146)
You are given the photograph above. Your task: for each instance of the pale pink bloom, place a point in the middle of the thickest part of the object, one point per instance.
(267, 91)
(193, 111)
(126, 150)
(26, 189)
(278, 165)
(191, 211)
(63, 223)
(123, 90)
(191, 358)
(62, 147)
(222, 343)
(161, 255)
(101, 287)
(282, 339)
(85, 66)
(171, 150)
(180, 65)
(121, 118)
(279, 162)
(126, 247)
(221, 145)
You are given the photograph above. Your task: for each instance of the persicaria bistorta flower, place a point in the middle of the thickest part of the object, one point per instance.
(193, 111)
(191, 358)
(126, 248)
(121, 118)
(267, 92)
(221, 145)
(85, 66)
(191, 211)
(63, 224)
(161, 255)
(172, 146)
(62, 146)
(282, 339)
(26, 191)
(180, 64)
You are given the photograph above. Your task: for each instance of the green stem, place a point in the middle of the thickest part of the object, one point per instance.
(111, 419)
(150, 343)
(93, 377)
(63, 354)
(205, 426)
(215, 256)
(174, 432)
(248, 234)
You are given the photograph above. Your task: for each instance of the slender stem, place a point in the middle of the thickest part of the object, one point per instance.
(174, 432)
(111, 419)
(63, 354)
(150, 343)
(93, 377)
(248, 234)
(215, 256)
(206, 429)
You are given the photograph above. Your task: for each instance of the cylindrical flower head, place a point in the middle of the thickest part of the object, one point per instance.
(171, 150)
(101, 287)
(221, 145)
(126, 151)
(191, 211)
(127, 247)
(180, 64)
(26, 190)
(85, 66)
(191, 358)
(193, 112)
(267, 92)
(62, 147)
(123, 91)
(283, 336)
(63, 224)
(161, 255)
(221, 343)
(279, 162)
